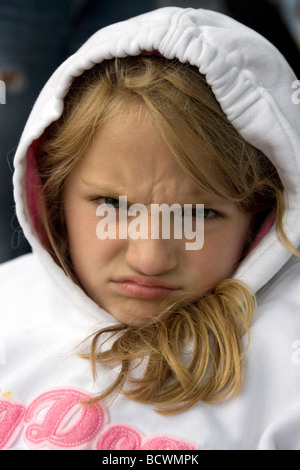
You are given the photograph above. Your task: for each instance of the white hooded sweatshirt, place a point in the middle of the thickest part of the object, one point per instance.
(43, 315)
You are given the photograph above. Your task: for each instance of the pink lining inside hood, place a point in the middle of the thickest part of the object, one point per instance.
(33, 188)
(264, 230)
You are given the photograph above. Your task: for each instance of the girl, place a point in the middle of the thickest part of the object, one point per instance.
(122, 340)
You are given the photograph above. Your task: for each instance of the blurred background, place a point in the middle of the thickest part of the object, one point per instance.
(37, 35)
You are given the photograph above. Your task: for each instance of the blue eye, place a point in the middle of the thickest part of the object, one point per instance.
(209, 213)
(109, 201)
(203, 213)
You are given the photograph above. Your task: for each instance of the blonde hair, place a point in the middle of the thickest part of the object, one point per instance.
(194, 349)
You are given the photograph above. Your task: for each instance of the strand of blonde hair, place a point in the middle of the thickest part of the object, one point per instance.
(191, 352)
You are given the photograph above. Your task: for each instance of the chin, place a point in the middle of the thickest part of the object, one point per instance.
(134, 317)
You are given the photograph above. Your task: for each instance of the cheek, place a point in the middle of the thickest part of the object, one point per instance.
(227, 248)
(91, 257)
(82, 239)
(217, 259)
(81, 231)
(88, 251)
(208, 263)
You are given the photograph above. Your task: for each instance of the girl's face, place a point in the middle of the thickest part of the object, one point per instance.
(131, 277)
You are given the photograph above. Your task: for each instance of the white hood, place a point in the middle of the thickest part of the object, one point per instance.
(43, 317)
(250, 79)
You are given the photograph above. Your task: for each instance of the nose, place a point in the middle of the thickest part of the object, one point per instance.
(152, 256)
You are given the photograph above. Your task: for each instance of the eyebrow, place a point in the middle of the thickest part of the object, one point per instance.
(110, 189)
(104, 187)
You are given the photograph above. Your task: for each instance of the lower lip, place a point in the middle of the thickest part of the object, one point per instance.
(137, 291)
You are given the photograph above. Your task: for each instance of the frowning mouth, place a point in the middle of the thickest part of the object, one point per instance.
(144, 288)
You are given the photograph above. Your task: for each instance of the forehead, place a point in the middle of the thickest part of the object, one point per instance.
(128, 152)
